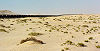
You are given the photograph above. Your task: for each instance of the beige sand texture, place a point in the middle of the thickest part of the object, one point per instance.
(63, 33)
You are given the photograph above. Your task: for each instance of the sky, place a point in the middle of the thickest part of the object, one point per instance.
(51, 6)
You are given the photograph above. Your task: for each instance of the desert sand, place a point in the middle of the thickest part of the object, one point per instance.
(62, 33)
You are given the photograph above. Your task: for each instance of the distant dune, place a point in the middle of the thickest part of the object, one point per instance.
(6, 12)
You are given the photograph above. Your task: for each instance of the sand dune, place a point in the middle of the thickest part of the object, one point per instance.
(63, 33)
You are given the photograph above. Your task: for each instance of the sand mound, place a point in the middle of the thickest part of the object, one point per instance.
(32, 40)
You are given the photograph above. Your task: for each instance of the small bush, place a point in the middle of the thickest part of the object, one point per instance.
(98, 46)
(66, 48)
(50, 30)
(94, 21)
(39, 22)
(73, 37)
(45, 30)
(66, 32)
(96, 42)
(86, 41)
(85, 26)
(83, 33)
(57, 29)
(34, 34)
(62, 50)
(30, 28)
(81, 45)
(90, 38)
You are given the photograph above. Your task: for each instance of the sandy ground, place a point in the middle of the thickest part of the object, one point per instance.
(63, 33)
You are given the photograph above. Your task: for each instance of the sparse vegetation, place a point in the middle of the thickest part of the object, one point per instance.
(80, 31)
(34, 34)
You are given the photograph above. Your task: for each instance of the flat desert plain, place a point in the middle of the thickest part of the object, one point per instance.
(62, 33)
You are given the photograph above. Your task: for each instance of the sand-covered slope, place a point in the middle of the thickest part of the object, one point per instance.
(64, 33)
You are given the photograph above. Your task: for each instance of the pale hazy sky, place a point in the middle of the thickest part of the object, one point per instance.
(51, 6)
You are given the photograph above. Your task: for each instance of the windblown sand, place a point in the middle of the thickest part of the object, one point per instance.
(63, 33)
